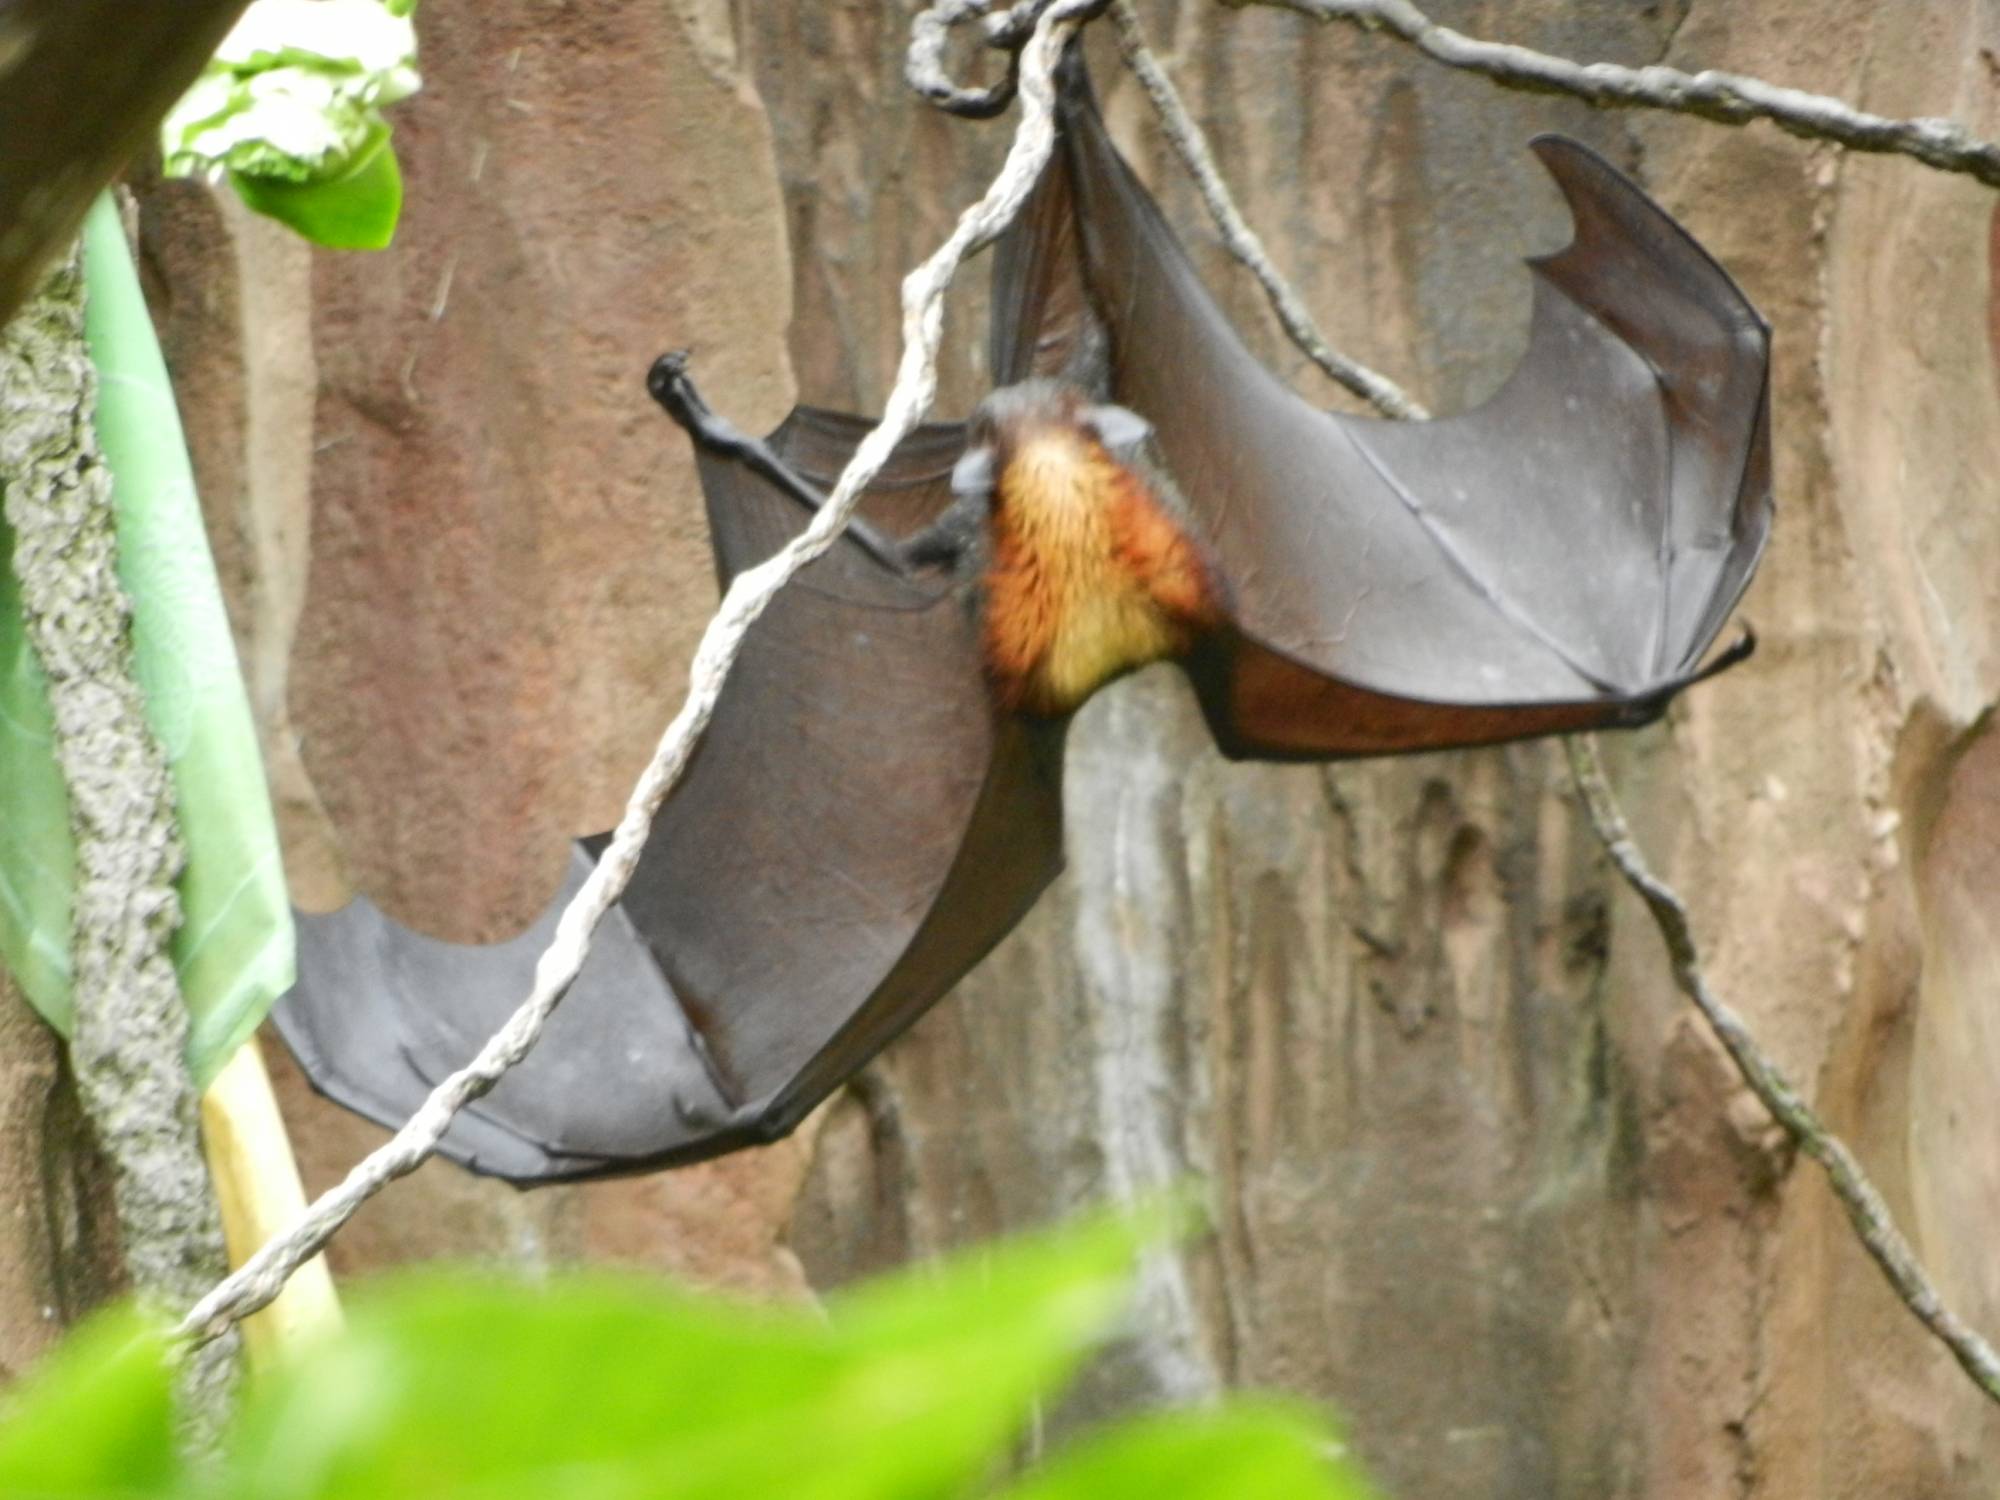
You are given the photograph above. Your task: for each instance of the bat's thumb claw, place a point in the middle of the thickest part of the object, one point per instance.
(1739, 650)
(668, 371)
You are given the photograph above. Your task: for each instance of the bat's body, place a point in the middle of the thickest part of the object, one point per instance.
(1089, 571)
(878, 797)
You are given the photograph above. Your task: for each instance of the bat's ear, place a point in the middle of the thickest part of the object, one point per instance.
(1119, 428)
(973, 473)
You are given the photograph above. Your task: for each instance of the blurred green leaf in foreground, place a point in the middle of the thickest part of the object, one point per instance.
(290, 111)
(603, 1387)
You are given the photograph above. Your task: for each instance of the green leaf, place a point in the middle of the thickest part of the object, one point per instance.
(290, 110)
(356, 210)
(604, 1387)
(601, 1388)
(96, 1418)
(37, 852)
(371, 41)
(1247, 1448)
(445, 1383)
(233, 950)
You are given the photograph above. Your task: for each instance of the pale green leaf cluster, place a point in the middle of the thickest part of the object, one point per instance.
(295, 92)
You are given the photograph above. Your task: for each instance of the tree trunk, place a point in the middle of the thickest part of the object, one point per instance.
(58, 1226)
(1480, 1177)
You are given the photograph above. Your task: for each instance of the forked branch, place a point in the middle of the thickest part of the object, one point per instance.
(1728, 98)
(924, 69)
(1005, 27)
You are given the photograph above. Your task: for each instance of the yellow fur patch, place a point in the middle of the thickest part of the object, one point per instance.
(1069, 605)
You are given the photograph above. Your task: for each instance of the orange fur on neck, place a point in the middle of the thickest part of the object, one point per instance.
(1091, 577)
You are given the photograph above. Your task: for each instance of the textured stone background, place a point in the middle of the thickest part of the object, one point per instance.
(1479, 1177)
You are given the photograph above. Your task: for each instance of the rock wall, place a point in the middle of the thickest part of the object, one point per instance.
(1479, 1177)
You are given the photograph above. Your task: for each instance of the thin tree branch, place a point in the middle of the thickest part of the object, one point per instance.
(1012, 27)
(1866, 1211)
(1240, 239)
(924, 69)
(1007, 29)
(260, 1278)
(1729, 98)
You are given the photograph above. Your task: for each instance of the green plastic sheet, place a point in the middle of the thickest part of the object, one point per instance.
(234, 948)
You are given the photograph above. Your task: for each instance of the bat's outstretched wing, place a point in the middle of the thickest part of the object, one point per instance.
(1558, 558)
(858, 827)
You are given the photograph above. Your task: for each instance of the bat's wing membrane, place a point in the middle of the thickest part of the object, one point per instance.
(857, 828)
(381, 1014)
(1557, 558)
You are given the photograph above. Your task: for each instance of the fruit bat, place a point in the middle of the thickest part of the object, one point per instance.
(877, 801)
(83, 83)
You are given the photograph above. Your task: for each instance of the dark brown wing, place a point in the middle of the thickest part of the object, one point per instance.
(1558, 558)
(85, 83)
(856, 830)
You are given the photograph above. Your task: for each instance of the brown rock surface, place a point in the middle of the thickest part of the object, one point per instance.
(1479, 1176)
(58, 1236)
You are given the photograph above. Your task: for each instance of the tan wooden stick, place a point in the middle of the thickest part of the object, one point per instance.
(258, 1188)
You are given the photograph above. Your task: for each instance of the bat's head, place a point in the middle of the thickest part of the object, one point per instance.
(1034, 412)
